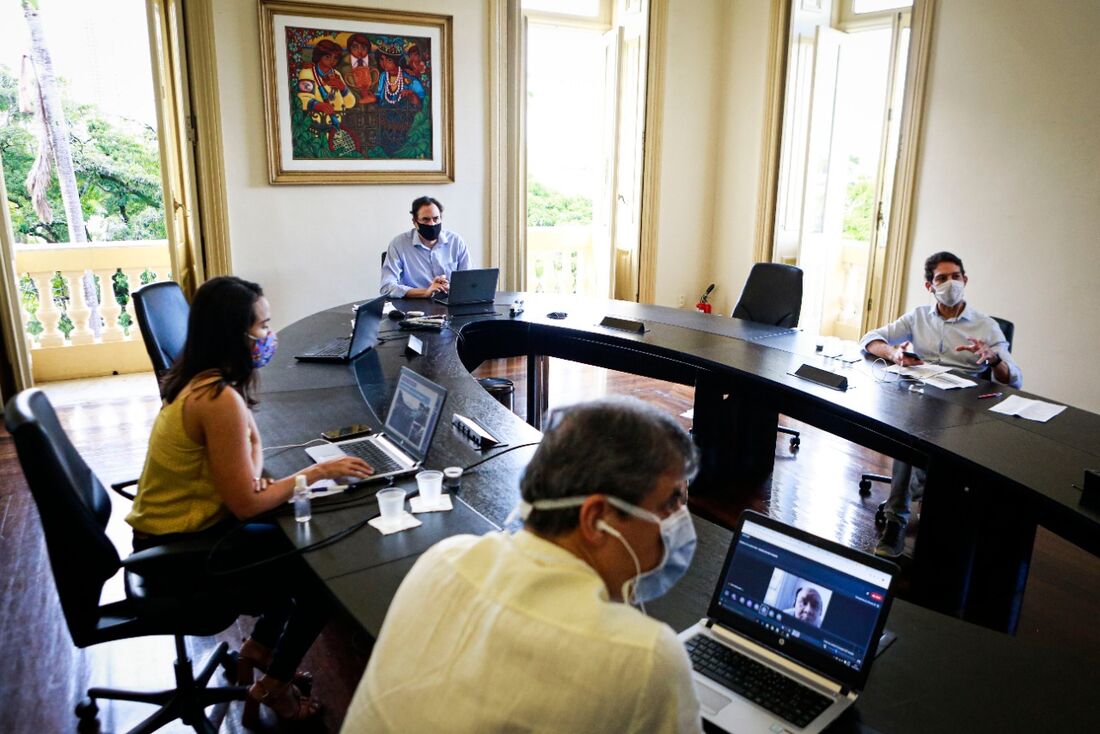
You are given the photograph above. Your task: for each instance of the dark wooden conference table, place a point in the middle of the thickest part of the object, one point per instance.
(991, 480)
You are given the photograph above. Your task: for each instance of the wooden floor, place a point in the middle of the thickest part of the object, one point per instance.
(42, 675)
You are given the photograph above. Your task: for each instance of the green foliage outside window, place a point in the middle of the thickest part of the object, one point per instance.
(548, 208)
(28, 298)
(117, 171)
(858, 206)
(121, 288)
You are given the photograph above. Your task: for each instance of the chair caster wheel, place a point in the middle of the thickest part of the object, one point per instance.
(880, 515)
(864, 488)
(795, 443)
(87, 710)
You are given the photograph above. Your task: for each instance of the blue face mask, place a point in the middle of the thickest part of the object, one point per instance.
(263, 348)
(677, 535)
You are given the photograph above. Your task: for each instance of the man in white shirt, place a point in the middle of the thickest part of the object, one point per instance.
(950, 333)
(528, 631)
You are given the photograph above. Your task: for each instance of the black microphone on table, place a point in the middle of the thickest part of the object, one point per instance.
(397, 314)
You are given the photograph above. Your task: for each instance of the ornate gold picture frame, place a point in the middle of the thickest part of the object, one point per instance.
(356, 95)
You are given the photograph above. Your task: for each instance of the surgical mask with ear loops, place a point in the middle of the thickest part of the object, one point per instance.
(949, 292)
(677, 535)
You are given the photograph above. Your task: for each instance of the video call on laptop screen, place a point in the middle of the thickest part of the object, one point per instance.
(808, 597)
(413, 412)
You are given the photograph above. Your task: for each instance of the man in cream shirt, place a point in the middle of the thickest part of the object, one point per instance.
(528, 631)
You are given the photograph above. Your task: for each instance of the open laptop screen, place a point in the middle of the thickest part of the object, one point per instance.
(806, 598)
(368, 320)
(414, 411)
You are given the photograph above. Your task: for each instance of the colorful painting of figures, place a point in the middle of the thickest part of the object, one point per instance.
(355, 95)
(358, 95)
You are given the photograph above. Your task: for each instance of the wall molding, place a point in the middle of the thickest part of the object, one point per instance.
(651, 154)
(776, 84)
(507, 214)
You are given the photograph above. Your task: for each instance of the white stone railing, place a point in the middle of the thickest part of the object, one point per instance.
(561, 259)
(118, 348)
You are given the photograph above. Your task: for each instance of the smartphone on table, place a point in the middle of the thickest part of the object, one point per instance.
(344, 433)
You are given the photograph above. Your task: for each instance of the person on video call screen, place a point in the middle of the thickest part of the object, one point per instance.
(808, 606)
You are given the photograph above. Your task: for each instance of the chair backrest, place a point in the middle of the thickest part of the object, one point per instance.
(162, 313)
(383, 258)
(772, 295)
(1007, 328)
(74, 508)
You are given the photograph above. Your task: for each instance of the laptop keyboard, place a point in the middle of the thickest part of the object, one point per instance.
(335, 348)
(758, 683)
(370, 452)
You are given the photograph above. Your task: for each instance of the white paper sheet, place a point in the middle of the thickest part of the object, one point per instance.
(1033, 410)
(948, 381)
(918, 371)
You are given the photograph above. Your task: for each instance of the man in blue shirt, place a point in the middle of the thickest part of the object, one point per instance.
(419, 262)
(948, 333)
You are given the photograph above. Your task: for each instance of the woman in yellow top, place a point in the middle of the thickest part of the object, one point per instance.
(202, 476)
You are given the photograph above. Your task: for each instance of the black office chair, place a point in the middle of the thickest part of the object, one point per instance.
(1009, 330)
(74, 508)
(162, 312)
(773, 295)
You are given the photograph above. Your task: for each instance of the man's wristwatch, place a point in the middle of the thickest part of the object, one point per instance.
(998, 359)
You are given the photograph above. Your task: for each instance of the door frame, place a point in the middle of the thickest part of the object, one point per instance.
(11, 318)
(649, 201)
(888, 295)
(508, 152)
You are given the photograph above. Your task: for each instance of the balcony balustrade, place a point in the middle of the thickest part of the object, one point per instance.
(58, 320)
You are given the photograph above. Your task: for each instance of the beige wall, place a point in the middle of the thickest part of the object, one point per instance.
(1010, 178)
(317, 246)
(745, 27)
(312, 247)
(693, 95)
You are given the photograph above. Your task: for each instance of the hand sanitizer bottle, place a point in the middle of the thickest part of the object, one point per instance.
(302, 511)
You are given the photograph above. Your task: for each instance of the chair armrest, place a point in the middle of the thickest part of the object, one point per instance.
(120, 488)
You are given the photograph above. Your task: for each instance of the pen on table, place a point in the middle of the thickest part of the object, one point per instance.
(990, 395)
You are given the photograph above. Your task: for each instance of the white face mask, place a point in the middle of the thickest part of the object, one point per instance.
(949, 293)
(677, 536)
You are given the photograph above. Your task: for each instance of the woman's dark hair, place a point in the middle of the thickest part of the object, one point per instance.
(222, 312)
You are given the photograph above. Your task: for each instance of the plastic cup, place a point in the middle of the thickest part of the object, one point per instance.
(452, 478)
(391, 505)
(430, 484)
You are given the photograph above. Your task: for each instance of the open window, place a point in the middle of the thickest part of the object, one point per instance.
(848, 89)
(585, 97)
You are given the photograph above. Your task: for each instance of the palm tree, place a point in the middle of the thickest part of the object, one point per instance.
(54, 147)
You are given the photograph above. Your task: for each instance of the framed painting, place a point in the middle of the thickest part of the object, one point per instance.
(356, 96)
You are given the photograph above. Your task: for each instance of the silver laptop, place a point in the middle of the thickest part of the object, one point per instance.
(470, 287)
(791, 631)
(404, 441)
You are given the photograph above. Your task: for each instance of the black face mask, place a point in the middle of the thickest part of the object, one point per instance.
(430, 232)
